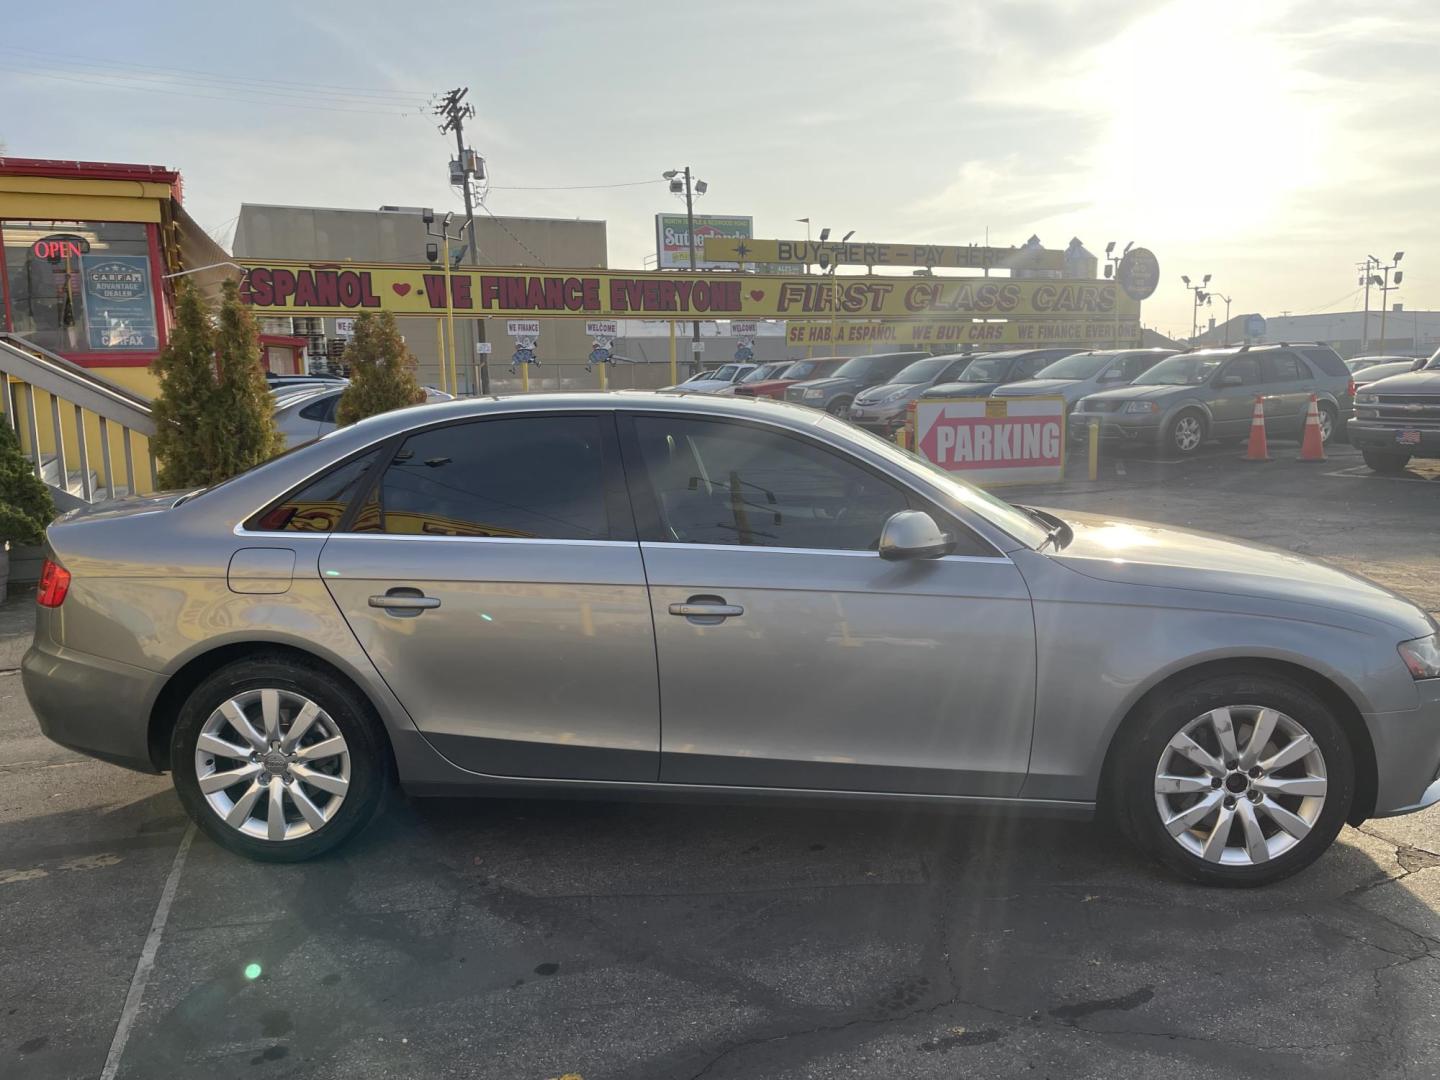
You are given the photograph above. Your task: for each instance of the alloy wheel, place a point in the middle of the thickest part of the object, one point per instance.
(1187, 434)
(1327, 425)
(1240, 785)
(272, 764)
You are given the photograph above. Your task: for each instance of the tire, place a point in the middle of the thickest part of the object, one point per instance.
(839, 407)
(1147, 759)
(1386, 463)
(356, 770)
(1186, 433)
(1329, 425)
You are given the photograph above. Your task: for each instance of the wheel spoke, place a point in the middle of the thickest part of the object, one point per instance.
(275, 825)
(1224, 726)
(1187, 819)
(1291, 785)
(308, 810)
(219, 781)
(213, 744)
(1255, 845)
(1187, 747)
(1219, 835)
(329, 748)
(241, 723)
(270, 714)
(335, 785)
(1290, 754)
(1259, 737)
(301, 724)
(241, 810)
(1170, 784)
(1293, 824)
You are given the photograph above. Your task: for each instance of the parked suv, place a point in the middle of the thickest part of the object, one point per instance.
(884, 408)
(1398, 418)
(985, 375)
(817, 367)
(834, 394)
(1210, 394)
(1079, 374)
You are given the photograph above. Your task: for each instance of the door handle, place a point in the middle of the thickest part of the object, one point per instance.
(706, 607)
(410, 601)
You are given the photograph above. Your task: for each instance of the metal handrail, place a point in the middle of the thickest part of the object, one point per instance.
(65, 379)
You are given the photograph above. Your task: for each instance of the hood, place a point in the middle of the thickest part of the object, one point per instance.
(875, 393)
(830, 382)
(764, 386)
(1029, 387)
(961, 389)
(1134, 393)
(1141, 553)
(1412, 382)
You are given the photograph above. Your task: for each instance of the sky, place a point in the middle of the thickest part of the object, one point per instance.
(1272, 144)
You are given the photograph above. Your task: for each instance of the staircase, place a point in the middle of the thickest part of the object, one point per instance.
(82, 434)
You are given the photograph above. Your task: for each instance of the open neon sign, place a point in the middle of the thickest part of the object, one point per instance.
(60, 246)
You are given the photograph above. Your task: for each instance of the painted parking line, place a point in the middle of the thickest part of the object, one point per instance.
(1364, 472)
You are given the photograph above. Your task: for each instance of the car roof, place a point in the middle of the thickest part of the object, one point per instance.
(287, 396)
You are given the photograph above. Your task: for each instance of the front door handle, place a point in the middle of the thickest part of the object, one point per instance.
(405, 602)
(707, 610)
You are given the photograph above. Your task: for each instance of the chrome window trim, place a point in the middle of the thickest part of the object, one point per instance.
(675, 545)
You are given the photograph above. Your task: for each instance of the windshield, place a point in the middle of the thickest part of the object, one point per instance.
(1187, 370)
(984, 370)
(869, 367)
(1080, 366)
(802, 369)
(763, 372)
(725, 372)
(1009, 519)
(922, 371)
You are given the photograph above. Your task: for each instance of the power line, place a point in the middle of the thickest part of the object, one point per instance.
(512, 236)
(572, 187)
(1348, 296)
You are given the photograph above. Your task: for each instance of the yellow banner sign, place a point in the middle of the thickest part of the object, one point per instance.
(1092, 333)
(830, 253)
(297, 288)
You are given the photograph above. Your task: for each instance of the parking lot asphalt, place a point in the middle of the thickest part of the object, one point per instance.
(542, 939)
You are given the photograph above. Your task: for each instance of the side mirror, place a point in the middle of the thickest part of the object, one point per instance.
(1419, 365)
(913, 534)
(1231, 380)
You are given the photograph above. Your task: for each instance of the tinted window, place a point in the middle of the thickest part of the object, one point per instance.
(528, 477)
(922, 371)
(318, 505)
(323, 410)
(1282, 367)
(1030, 365)
(874, 367)
(1327, 360)
(1247, 367)
(722, 483)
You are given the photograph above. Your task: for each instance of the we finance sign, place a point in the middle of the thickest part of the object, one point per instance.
(994, 441)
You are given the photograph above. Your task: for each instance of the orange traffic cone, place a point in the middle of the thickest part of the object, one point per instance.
(1312, 447)
(1259, 449)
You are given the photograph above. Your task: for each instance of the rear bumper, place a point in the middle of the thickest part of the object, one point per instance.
(96, 706)
(1407, 754)
(1367, 434)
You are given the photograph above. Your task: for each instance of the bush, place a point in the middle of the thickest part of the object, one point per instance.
(214, 415)
(25, 503)
(382, 371)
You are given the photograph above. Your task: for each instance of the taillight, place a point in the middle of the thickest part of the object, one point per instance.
(1351, 389)
(54, 584)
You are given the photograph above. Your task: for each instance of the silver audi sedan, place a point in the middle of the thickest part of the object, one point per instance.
(624, 593)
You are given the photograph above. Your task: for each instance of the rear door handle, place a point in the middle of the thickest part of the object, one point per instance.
(707, 609)
(405, 601)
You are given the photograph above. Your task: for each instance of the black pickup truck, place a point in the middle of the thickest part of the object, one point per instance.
(1398, 418)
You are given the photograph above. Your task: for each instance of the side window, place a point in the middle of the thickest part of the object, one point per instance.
(532, 477)
(1326, 360)
(952, 371)
(1247, 367)
(1282, 367)
(318, 505)
(1133, 366)
(323, 409)
(721, 483)
(1027, 368)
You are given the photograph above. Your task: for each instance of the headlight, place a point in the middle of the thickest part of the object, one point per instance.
(814, 394)
(894, 395)
(1363, 398)
(1422, 656)
(1141, 406)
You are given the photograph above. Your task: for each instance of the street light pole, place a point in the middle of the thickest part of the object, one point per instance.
(694, 264)
(1199, 298)
(1386, 288)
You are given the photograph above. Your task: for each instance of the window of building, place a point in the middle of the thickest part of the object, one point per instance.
(81, 286)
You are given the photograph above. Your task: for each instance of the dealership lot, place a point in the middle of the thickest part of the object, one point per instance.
(540, 939)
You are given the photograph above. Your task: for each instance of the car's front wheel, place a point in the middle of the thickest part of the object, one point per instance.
(1186, 433)
(1234, 780)
(278, 760)
(839, 407)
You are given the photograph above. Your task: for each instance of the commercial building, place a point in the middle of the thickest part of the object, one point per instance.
(1398, 330)
(395, 234)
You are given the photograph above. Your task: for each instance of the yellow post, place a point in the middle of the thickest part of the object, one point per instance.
(674, 374)
(604, 383)
(1094, 449)
(452, 377)
(834, 309)
(525, 378)
(440, 350)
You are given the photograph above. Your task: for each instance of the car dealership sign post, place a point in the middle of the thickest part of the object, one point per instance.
(994, 441)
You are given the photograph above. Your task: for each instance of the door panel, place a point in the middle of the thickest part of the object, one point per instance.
(844, 671)
(539, 661)
(1231, 407)
(1287, 394)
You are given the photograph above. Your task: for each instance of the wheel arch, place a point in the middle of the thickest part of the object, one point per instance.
(165, 711)
(1346, 711)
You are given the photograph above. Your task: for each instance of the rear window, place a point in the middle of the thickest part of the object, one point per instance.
(1327, 360)
(316, 506)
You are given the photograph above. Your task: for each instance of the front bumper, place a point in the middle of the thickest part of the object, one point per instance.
(1368, 434)
(886, 418)
(1115, 426)
(96, 706)
(1407, 754)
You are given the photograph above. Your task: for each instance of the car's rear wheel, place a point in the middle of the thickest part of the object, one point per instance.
(1186, 433)
(1235, 780)
(278, 760)
(1387, 463)
(1327, 423)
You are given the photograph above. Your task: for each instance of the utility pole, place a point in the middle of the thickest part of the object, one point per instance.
(1365, 269)
(455, 115)
(691, 190)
